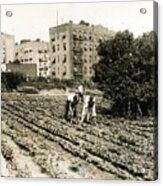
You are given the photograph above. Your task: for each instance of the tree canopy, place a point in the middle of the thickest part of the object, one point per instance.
(126, 73)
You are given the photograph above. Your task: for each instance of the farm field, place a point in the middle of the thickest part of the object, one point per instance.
(38, 142)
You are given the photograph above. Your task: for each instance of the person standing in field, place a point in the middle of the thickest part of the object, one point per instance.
(89, 109)
(72, 102)
(81, 91)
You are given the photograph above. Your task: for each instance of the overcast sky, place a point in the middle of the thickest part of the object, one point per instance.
(33, 20)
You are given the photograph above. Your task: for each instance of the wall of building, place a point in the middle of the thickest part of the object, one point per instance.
(82, 41)
(60, 52)
(27, 69)
(8, 50)
(35, 52)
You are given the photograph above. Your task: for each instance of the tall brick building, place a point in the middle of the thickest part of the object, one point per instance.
(74, 49)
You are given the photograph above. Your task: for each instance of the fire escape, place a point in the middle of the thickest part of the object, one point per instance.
(77, 57)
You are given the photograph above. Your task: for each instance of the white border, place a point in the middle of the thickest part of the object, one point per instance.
(69, 182)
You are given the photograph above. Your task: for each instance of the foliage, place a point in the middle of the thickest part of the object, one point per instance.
(11, 80)
(126, 73)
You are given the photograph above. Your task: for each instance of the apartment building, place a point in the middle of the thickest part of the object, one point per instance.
(74, 49)
(34, 52)
(7, 50)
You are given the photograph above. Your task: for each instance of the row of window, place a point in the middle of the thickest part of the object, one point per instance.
(58, 37)
(42, 51)
(82, 37)
(57, 47)
(64, 60)
(64, 71)
(26, 60)
(43, 73)
(30, 51)
(43, 60)
(27, 51)
(30, 59)
(43, 69)
(85, 48)
(87, 70)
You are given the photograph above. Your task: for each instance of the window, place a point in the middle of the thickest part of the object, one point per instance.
(85, 70)
(53, 73)
(53, 39)
(30, 59)
(64, 37)
(64, 71)
(58, 47)
(53, 48)
(58, 70)
(58, 59)
(74, 36)
(39, 51)
(65, 59)
(54, 61)
(85, 60)
(90, 70)
(64, 46)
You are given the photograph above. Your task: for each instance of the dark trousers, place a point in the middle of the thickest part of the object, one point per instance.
(70, 107)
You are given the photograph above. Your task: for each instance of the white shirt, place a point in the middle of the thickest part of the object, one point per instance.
(81, 89)
(86, 100)
(71, 97)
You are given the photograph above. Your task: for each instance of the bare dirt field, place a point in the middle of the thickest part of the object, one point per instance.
(38, 142)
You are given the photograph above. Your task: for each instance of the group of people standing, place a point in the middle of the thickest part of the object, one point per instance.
(88, 106)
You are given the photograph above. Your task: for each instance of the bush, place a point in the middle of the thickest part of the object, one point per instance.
(11, 80)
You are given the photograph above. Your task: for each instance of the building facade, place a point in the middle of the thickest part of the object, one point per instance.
(74, 49)
(7, 50)
(34, 52)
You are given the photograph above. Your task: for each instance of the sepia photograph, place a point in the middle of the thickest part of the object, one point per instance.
(79, 90)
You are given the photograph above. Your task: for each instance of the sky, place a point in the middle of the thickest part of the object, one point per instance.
(32, 21)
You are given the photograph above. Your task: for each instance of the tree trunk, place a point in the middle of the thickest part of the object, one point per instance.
(139, 110)
(129, 108)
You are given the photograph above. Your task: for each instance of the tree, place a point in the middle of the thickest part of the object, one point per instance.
(11, 80)
(125, 73)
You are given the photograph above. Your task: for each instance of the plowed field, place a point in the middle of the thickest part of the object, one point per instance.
(37, 141)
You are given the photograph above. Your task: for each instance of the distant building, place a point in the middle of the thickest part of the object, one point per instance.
(34, 52)
(74, 49)
(7, 50)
